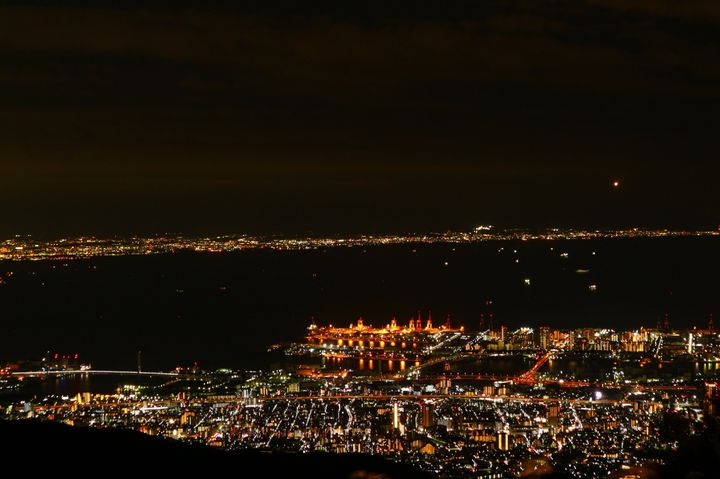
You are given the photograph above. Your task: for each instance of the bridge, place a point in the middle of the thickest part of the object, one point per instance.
(94, 371)
(530, 376)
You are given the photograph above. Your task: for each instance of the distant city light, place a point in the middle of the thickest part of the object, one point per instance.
(21, 248)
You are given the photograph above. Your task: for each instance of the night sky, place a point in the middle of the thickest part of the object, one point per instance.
(343, 116)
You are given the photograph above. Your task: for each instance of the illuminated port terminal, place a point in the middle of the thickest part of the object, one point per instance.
(412, 342)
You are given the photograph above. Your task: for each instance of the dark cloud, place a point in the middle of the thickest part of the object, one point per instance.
(699, 10)
(585, 48)
(366, 115)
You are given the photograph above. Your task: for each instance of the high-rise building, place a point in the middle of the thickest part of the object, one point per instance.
(554, 414)
(396, 416)
(503, 440)
(545, 337)
(428, 415)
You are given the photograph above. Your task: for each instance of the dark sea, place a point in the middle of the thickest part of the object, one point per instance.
(226, 309)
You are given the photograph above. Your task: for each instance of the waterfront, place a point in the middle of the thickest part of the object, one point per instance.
(224, 310)
(72, 385)
(506, 395)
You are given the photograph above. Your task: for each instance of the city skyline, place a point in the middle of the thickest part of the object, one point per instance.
(28, 247)
(493, 403)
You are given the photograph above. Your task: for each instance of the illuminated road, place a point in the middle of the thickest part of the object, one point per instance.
(388, 397)
(168, 403)
(146, 405)
(465, 376)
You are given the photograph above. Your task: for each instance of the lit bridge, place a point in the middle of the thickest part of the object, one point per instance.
(528, 377)
(95, 371)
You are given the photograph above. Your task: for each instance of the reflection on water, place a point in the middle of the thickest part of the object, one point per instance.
(576, 366)
(589, 368)
(598, 368)
(708, 368)
(494, 365)
(71, 385)
(368, 365)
